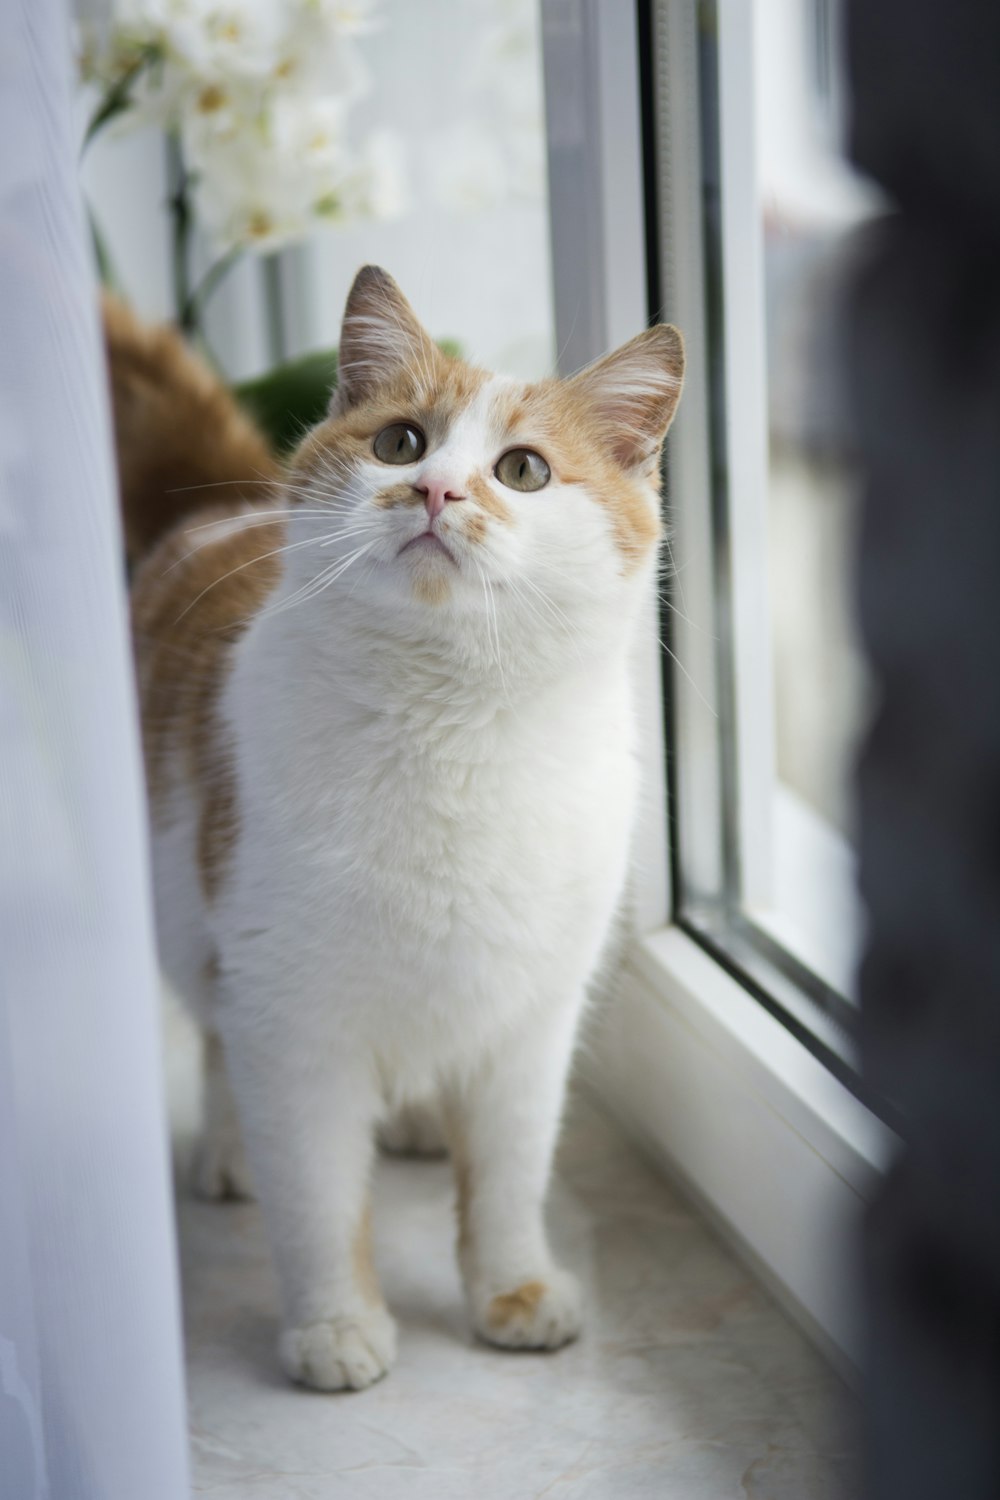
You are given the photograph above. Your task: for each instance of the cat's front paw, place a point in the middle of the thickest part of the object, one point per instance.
(541, 1313)
(340, 1354)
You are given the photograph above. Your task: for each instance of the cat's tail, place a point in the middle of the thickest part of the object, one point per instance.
(182, 441)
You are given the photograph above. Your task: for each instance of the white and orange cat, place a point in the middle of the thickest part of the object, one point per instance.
(389, 749)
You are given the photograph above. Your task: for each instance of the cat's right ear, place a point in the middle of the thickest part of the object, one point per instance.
(381, 337)
(632, 395)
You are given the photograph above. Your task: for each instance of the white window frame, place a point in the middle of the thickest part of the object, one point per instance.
(779, 1153)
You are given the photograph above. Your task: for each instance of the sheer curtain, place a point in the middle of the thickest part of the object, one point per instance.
(91, 1391)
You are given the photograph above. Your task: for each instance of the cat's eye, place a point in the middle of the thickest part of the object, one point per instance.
(523, 469)
(400, 443)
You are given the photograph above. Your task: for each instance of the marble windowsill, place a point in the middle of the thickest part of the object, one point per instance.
(688, 1383)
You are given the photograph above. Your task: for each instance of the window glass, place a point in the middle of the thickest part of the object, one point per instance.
(459, 88)
(766, 691)
(811, 203)
(811, 206)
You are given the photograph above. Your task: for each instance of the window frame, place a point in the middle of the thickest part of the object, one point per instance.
(727, 871)
(710, 1066)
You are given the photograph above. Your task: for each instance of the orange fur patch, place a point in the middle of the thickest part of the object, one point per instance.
(431, 588)
(363, 1259)
(182, 441)
(396, 495)
(474, 527)
(462, 1169)
(485, 496)
(191, 602)
(510, 1307)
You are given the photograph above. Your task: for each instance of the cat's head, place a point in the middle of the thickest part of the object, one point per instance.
(453, 491)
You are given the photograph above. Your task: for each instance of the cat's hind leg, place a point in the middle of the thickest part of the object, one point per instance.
(220, 1167)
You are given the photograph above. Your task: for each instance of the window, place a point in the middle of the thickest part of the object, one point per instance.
(766, 691)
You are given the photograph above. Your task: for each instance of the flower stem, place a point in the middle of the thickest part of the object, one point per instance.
(119, 97)
(102, 255)
(180, 211)
(194, 308)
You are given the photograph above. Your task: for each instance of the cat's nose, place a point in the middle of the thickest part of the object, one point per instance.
(436, 493)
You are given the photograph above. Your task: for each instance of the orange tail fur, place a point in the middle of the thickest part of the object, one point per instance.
(182, 441)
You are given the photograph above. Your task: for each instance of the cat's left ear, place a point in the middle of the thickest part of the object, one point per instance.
(632, 394)
(380, 338)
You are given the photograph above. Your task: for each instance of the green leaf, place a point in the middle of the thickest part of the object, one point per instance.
(291, 398)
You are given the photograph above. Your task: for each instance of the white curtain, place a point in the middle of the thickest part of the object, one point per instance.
(91, 1392)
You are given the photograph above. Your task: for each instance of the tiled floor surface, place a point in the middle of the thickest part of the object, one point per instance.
(689, 1383)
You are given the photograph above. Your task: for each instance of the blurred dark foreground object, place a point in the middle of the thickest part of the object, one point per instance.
(925, 373)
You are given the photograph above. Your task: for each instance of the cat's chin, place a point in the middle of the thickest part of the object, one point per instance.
(426, 546)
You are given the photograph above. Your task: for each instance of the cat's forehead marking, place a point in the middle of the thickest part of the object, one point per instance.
(480, 421)
(456, 391)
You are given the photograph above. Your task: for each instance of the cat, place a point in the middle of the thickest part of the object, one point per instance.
(389, 752)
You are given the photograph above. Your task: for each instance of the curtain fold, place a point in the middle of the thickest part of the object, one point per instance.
(925, 379)
(91, 1388)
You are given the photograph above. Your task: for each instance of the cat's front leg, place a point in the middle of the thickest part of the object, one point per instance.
(503, 1123)
(308, 1115)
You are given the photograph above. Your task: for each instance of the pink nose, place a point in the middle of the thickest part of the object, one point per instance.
(435, 493)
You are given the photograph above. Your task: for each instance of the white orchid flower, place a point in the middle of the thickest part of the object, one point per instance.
(258, 92)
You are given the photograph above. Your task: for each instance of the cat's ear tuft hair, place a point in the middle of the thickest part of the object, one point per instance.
(381, 337)
(632, 394)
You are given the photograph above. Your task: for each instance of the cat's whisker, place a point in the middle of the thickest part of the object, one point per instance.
(361, 529)
(553, 612)
(324, 579)
(214, 484)
(694, 686)
(297, 597)
(246, 525)
(250, 562)
(259, 518)
(675, 572)
(362, 577)
(549, 604)
(668, 603)
(493, 626)
(541, 622)
(321, 581)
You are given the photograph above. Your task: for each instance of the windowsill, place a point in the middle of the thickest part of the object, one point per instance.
(778, 1153)
(686, 1380)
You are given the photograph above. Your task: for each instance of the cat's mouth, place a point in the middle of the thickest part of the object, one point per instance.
(427, 542)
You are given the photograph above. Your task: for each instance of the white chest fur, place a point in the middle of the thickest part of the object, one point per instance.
(422, 855)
